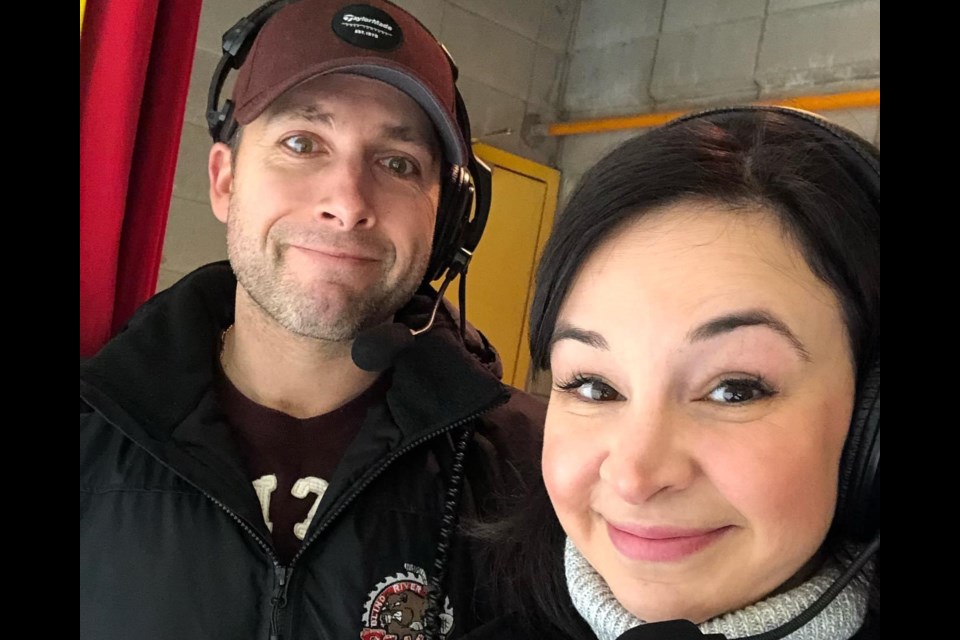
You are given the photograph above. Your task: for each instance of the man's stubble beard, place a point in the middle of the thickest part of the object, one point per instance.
(327, 311)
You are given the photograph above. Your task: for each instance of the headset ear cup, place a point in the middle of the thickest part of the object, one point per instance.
(858, 501)
(456, 196)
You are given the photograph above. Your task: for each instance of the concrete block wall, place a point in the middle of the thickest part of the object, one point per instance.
(641, 56)
(194, 236)
(511, 56)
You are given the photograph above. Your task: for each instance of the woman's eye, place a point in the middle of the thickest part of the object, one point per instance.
(591, 390)
(740, 391)
(300, 144)
(400, 165)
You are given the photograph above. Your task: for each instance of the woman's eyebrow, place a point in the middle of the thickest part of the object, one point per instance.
(747, 318)
(589, 338)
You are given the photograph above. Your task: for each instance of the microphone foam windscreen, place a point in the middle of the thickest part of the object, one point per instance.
(375, 349)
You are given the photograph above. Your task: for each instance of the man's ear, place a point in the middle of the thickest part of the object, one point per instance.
(220, 170)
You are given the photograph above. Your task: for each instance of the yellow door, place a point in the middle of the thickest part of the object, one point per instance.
(500, 278)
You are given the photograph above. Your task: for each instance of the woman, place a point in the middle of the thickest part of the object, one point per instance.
(709, 307)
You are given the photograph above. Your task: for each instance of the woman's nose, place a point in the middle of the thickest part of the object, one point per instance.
(647, 456)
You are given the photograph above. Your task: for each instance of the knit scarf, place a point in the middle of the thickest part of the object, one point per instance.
(840, 620)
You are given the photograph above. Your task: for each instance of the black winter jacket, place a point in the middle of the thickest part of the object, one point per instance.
(172, 541)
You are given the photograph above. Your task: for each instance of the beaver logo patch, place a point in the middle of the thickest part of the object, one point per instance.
(397, 606)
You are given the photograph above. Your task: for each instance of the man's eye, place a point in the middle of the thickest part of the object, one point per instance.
(740, 391)
(590, 389)
(400, 165)
(300, 144)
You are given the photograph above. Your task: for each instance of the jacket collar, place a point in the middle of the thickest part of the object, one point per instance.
(161, 366)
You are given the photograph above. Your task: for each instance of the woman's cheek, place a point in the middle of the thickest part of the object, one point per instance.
(571, 463)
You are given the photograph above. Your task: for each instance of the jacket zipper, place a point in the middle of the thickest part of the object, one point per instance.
(279, 600)
(279, 597)
(282, 574)
(375, 473)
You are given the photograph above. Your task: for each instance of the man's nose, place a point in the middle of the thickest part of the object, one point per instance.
(345, 202)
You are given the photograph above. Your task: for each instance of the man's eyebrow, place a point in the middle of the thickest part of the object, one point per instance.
(589, 338)
(748, 318)
(406, 133)
(309, 113)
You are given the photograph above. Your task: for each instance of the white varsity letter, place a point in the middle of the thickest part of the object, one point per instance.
(264, 486)
(301, 489)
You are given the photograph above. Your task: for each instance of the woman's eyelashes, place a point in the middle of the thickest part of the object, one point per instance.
(740, 389)
(588, 388)
(732, 390)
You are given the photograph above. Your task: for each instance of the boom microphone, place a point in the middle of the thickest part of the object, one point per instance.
(376, 349)
(672, 629)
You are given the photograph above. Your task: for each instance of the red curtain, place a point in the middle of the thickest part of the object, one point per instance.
(135, 61)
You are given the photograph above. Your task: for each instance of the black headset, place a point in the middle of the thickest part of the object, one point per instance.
(858, 503)
(463, 189)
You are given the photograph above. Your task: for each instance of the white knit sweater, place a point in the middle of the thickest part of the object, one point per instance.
(840, 620)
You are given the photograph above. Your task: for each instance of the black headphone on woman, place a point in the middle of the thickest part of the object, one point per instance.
(463, 190)
(858, 503)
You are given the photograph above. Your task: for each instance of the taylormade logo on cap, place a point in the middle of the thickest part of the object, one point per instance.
(352, 18)
(364, 26)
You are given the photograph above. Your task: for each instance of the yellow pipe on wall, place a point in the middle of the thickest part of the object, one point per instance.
(849, 100)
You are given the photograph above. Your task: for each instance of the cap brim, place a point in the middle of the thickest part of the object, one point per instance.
(454, 147)
(453, 143)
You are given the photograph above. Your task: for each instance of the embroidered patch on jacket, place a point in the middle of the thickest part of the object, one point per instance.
(397, 606)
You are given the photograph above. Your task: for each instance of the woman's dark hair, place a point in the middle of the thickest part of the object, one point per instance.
(820, 181)
(812, 178)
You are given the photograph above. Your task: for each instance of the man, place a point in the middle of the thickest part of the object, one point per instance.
(240, 476)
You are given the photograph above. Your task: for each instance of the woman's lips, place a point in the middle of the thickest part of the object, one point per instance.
(661, 544)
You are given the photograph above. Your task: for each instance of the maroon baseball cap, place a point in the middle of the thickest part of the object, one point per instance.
(375, 39)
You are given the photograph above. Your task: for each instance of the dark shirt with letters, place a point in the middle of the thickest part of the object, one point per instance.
(290, 460)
